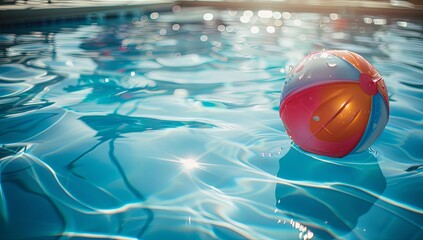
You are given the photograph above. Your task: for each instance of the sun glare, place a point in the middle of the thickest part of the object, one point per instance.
(189, 164)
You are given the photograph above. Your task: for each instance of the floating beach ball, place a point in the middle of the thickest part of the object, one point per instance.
(334, 103)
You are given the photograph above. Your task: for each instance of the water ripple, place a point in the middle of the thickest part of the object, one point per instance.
(166, 126)
(9, 90)
(189, 60)
(63, 64)
(7, 38)
(29, 48)
(206, 77)
(19, 72)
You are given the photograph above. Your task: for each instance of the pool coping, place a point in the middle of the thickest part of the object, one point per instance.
(22, 15)
(373, 8)
(25, 15)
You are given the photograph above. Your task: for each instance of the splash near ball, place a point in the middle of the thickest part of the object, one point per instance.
(334, 103)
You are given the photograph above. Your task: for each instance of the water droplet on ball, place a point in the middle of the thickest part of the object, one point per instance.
(330, 60)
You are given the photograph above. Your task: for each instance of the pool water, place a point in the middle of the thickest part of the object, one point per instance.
(166, 126)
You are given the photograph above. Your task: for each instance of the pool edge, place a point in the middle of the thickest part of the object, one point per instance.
(349, 7)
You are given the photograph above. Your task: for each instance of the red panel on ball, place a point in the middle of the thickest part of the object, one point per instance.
(327, 119)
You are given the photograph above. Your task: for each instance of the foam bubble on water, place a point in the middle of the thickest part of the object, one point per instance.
(154, 15)
(204, 38)
(208, 16)
(248, 13)
(176, 8)
(304, 232)
(229, 29)
(270, 29)
(163, 32)
(182, 93)
(254, 29)
(244, 19)
(221, 28)
(176, 27)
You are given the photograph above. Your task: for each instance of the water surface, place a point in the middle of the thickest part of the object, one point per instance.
(166, 126)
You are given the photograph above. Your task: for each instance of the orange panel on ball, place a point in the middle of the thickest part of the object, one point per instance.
(343, 113)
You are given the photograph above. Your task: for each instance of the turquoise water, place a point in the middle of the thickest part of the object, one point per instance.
(166, 126)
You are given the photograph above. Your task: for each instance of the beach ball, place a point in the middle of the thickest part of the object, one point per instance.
(334, 103)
